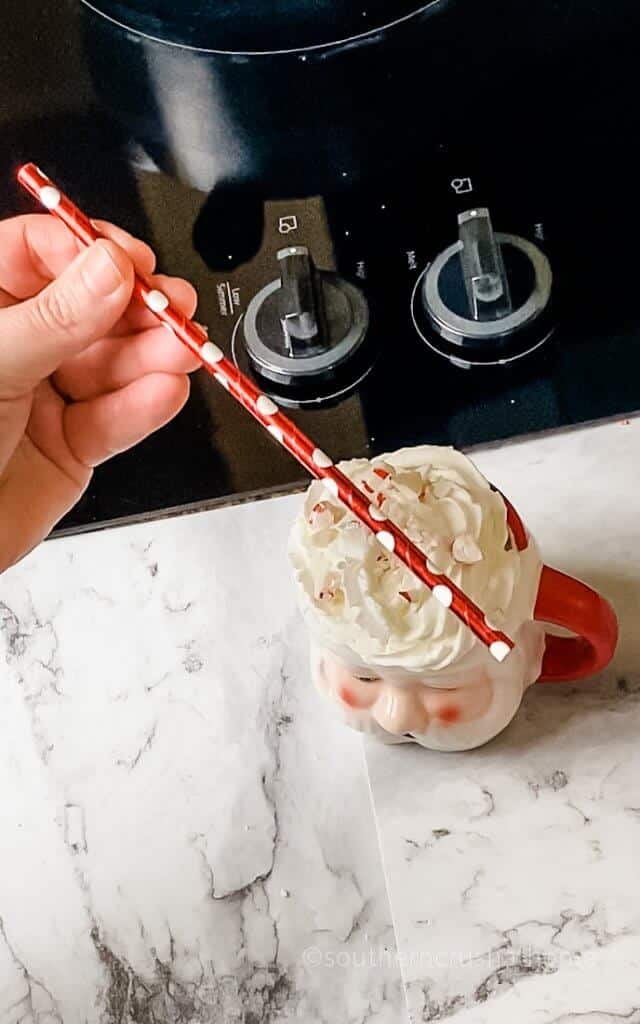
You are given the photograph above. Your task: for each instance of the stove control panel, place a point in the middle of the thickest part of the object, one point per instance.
(328, 283)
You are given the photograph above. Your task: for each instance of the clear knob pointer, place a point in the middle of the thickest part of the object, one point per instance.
(300, 306)
(483, 268)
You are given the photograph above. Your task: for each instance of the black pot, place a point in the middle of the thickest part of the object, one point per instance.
(290, 97)
(298, 97)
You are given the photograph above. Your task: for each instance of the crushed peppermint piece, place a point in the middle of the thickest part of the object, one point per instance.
(465, 550)
(442, 488)
(323, 516)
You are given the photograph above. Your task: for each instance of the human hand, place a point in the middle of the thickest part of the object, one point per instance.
(84, 373)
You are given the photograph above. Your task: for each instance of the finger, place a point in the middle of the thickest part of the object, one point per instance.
(41, 481)
(142, 255)
(102, 427)
(14, 417)
(37, 248)
(35, 494)
(67, 316)
(180, 293)
(113, 363)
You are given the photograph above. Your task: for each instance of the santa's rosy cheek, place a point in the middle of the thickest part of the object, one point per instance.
(348, 697)
(355, 693)
(465, 704)
(449, 714)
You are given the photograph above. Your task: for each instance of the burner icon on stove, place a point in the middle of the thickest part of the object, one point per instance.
(288, 224)
(461, 186)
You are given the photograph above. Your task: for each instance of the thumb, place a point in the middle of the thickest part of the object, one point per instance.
(67, 316)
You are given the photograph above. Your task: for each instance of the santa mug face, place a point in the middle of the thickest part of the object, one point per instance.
(394, 662)
(453, 710)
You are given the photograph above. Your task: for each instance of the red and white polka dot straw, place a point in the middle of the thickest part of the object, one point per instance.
(263, 409)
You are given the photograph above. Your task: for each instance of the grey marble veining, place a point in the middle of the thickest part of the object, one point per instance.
(187, 836)
(514, 871)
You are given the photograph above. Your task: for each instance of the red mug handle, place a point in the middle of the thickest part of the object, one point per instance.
(563, 601)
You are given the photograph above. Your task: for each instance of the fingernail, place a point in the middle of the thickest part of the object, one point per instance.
(101, 274)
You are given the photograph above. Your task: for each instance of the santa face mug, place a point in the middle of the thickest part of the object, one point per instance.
(395, 662)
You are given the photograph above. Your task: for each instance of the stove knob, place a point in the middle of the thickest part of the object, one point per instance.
(486, 297)
(301, 303)
(306, 322)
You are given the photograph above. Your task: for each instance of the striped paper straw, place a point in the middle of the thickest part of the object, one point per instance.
(267, 413)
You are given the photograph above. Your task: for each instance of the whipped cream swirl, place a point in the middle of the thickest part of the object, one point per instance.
(356, 596)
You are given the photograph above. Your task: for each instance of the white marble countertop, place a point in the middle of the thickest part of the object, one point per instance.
(188, 836)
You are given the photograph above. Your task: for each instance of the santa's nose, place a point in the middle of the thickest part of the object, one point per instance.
(400, 710)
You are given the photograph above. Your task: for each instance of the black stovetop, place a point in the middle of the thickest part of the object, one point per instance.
(575, 195)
